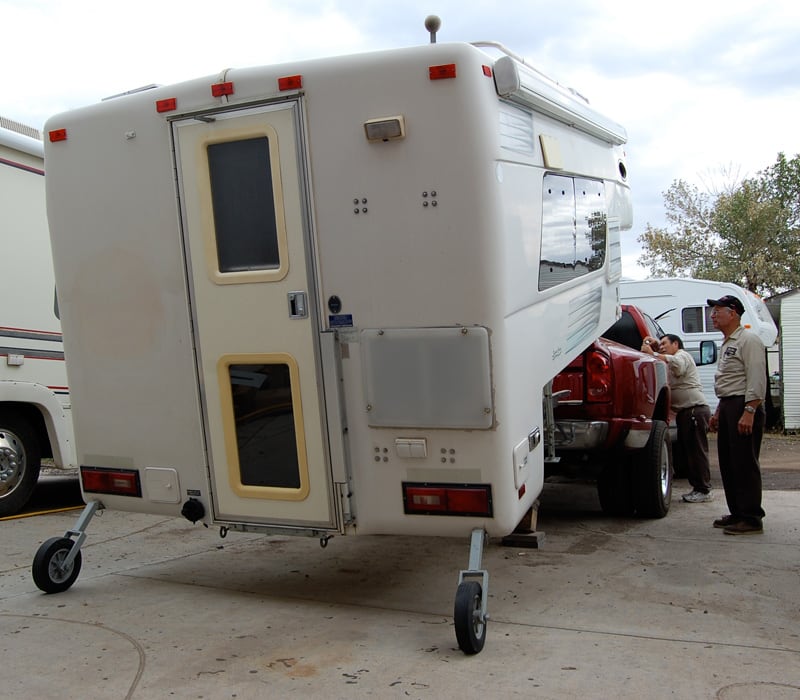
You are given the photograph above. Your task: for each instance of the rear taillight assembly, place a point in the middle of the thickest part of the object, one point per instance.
(117, 482)
(448, 499)
(599, 376)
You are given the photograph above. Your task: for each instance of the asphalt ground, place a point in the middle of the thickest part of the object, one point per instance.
(606, 608)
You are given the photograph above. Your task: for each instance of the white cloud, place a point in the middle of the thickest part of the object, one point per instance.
(699, 86)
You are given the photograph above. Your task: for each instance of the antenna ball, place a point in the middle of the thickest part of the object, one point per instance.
(432, 23)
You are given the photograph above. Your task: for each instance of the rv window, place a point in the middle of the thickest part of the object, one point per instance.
(692, 319)
(574, 229)
(265, 427)
(243, 204)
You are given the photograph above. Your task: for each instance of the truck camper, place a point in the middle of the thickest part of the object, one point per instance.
(35, 408)
(333, 294)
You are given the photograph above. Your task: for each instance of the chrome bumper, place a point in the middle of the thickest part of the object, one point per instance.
(580, 434)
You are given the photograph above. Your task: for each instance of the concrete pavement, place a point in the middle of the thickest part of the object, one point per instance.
(607, 608)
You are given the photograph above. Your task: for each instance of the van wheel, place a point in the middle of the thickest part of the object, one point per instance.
(653, 474)
(49, 573)
(20, 462)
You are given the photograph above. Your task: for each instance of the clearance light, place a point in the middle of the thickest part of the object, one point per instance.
(58, 135)
(220, 89)
(448, 70)
(385, 129)
(119, 482)
(290, 82)
(445, 499)
(167, 105)
(487, 71)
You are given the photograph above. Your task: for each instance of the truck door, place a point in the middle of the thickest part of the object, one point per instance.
(243, 206)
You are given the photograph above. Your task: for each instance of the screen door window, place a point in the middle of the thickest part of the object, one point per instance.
(264, 416)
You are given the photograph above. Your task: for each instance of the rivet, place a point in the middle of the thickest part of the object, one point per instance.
(424, 204)
(433, 193)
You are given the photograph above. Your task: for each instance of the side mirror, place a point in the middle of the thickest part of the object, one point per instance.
(708, 352)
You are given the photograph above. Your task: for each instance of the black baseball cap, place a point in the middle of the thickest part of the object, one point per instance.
(728, 301)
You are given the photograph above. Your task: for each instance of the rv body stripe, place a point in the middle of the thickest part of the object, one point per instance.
(28, 168)
(31, 353)
(27, 334)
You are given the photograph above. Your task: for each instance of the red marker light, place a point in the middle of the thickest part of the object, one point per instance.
(444, 72)
(58, 135)
(167, 105)
(487, 71)
(220, 89)
(290, 82)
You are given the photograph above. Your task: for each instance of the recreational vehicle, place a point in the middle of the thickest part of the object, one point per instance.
(333, 293)
(35, 415)
(679, 305)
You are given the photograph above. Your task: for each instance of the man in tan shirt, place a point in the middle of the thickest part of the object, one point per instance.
(741, 385)
(691, 412)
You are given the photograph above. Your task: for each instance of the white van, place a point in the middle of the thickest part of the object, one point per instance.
(679, 305)
(327, 297)
(35, 409)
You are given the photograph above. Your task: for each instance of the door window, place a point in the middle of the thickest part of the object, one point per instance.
(244, 210)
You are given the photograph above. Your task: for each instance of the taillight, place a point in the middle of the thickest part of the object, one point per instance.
(599, 376)
(448, 499)
(118, 482)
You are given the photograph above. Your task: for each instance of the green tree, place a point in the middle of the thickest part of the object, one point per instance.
(748, 234)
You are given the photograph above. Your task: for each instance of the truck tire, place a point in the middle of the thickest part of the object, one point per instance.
(614, 488)
(20, 462)
(652, 474)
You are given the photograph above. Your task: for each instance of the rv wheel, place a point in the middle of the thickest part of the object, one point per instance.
(49, 573)
(20, 461)
(470, 627)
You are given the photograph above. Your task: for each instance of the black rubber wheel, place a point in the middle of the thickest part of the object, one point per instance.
(470, 629)
(49, 573)
(20, 462)
(652, 472)
(614, 488)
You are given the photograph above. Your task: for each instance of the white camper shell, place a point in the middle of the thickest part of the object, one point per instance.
(326, 297)
(35, 409)
(679, 305)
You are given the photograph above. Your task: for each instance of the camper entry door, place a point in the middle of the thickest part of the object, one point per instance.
(242, 204)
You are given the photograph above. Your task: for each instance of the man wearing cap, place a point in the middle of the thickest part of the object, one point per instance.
(740, 383)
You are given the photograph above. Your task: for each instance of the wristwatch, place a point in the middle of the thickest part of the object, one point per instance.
(749, 409)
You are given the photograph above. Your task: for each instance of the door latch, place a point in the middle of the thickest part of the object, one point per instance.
(298, 308)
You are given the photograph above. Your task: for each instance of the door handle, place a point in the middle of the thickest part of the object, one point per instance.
(298, 308)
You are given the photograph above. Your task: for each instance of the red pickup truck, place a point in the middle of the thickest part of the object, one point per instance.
(612, 412)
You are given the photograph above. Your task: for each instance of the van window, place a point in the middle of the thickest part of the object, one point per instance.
(243, 205)
(574, 229)
(692, 319)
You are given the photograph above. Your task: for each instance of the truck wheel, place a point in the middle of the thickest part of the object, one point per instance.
(614, 489)
(652, 474)
(20, 462)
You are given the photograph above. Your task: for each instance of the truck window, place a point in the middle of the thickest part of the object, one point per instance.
(243, 204)
(574, 229)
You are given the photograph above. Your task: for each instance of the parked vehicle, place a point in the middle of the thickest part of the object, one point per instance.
(319, 287)
(35, 410)
(612, 415)
(679, 306)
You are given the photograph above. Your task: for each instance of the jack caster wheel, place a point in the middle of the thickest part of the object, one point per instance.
(49, 573)
(470, 628)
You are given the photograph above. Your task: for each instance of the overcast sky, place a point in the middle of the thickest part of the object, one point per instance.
(703, 87)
